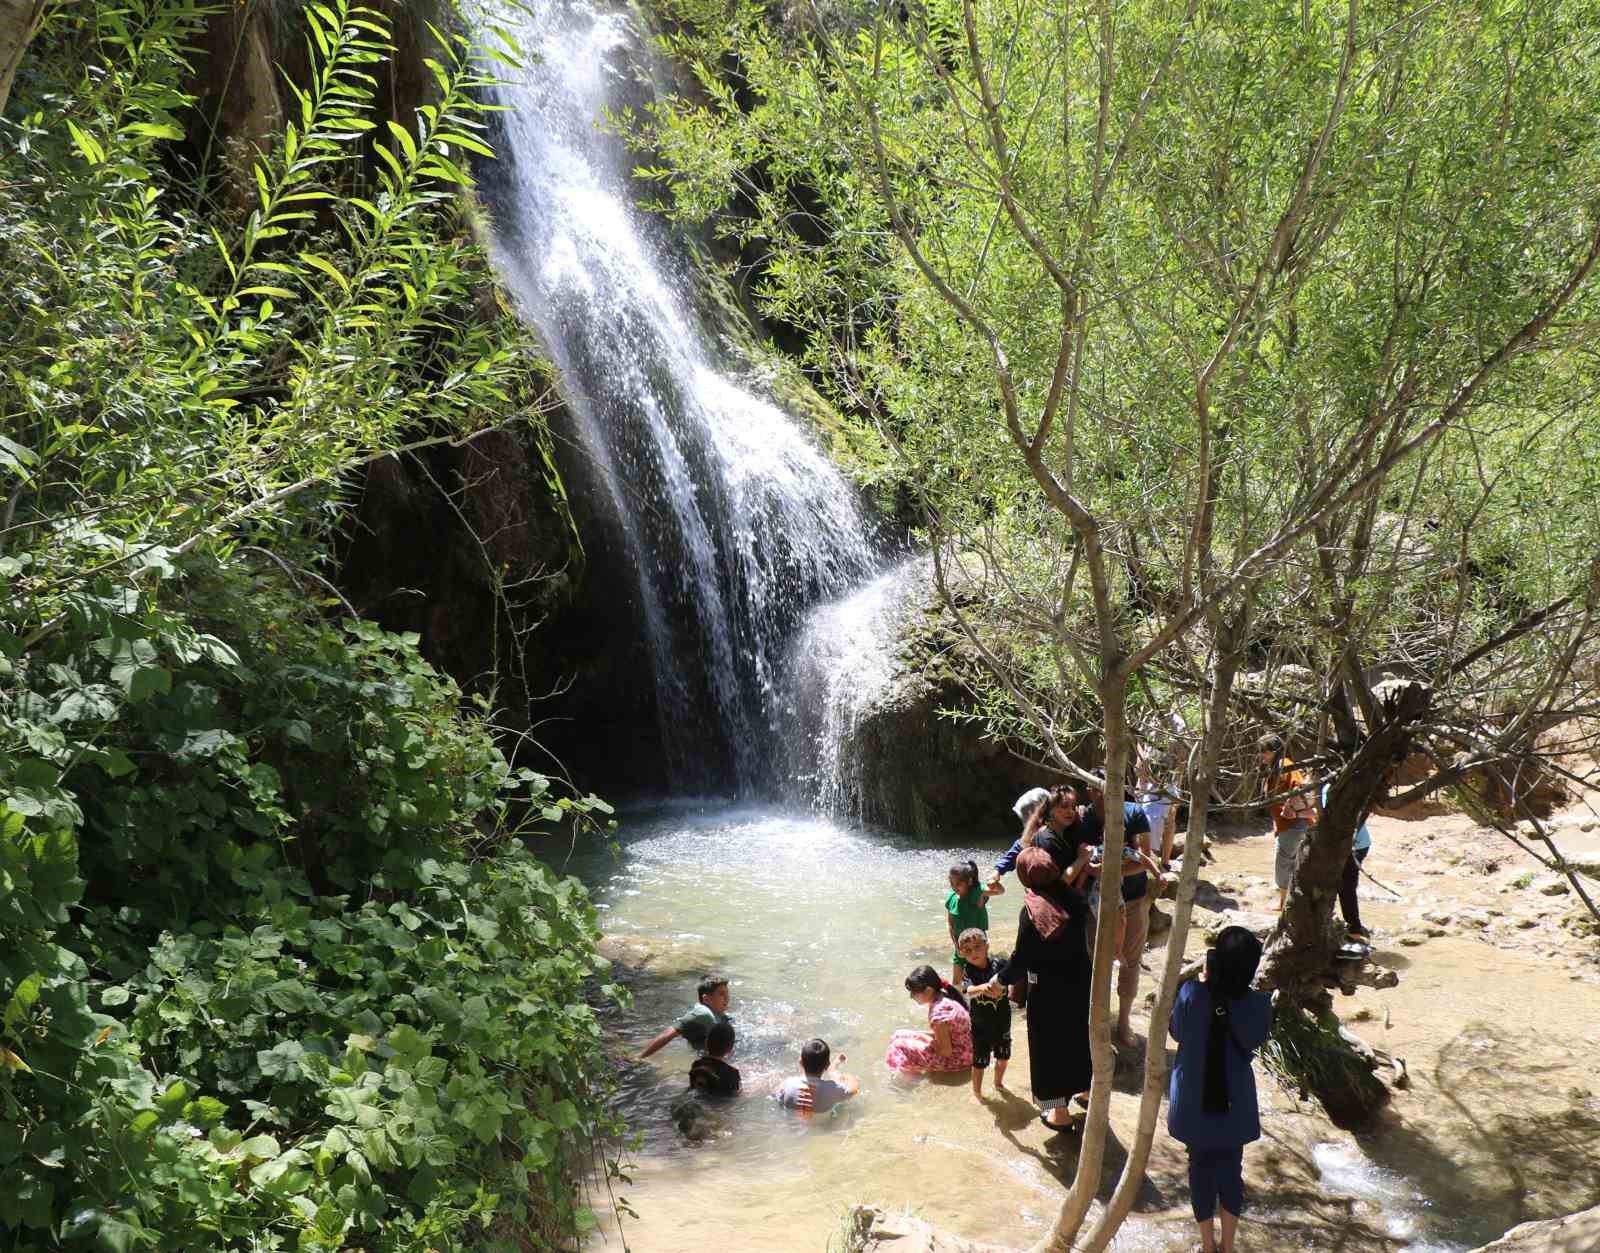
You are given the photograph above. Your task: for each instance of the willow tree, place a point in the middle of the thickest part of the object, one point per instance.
(1143, 300)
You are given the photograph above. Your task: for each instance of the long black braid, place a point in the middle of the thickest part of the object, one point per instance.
(1230, 966)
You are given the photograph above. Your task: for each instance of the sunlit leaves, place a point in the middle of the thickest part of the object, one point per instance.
(1381, 248)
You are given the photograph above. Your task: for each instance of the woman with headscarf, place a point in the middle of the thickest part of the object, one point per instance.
(1218, 1023)
(1052, 959)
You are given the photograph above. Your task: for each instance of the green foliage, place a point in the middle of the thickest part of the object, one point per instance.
(174, 370)
(276, 970)
(1220, 253)
(1307, 1054)
(200, 986)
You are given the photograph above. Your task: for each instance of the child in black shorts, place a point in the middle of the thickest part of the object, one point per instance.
(991, 1016)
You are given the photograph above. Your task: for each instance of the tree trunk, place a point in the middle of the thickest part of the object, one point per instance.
(1300, 949)
(1155, 1056)
(19, 23)
(1091, 1156)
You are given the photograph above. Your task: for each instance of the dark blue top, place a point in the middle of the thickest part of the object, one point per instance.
(1249, 1024)
(990, 1016)
(1062, 847)
(1134, 824)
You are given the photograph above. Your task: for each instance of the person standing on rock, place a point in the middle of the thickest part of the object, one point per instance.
(1293, 811)
(1218, 1023)
(1052, 958)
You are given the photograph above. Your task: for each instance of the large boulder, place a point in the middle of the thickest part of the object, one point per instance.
(1576, 1233)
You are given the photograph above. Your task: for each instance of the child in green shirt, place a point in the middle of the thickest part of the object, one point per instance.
(966, 907)
(697, 1021)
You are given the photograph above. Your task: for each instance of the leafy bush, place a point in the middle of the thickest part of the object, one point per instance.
(276, 969)
(202, 1038)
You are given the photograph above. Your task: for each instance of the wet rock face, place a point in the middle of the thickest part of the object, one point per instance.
(471, 548)
(915, 764)
(1576, 1233)
(467, 547)
(928, 775)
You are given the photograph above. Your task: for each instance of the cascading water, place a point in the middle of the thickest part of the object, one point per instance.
(733, 521)
(842, 662)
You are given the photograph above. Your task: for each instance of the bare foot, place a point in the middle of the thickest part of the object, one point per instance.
(999, 1085)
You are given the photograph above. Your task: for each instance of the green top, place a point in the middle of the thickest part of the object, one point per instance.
(696, 1022)
(966, 911)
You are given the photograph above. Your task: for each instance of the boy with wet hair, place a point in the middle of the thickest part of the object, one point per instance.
(697, 1021)
(809, 1092)
(991, 1015)
(711, 1073)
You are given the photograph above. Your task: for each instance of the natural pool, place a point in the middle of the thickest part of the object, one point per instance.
(816, 925)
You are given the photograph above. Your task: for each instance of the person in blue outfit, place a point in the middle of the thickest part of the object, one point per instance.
(1218, 1023)
(1349, 905)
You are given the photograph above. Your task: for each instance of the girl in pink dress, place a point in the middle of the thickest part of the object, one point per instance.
(947, 1044)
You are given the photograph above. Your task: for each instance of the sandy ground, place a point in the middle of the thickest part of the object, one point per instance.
(1497, 1014)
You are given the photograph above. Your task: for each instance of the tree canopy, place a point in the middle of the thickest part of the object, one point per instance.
(1205, 341)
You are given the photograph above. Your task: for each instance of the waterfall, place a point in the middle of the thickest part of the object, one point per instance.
(843, 663)
(733, 521)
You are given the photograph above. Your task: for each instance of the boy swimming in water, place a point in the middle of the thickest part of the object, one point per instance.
(697, 1021)
(809, 1092)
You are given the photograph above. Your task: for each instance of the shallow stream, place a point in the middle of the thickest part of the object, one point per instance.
(816, 925)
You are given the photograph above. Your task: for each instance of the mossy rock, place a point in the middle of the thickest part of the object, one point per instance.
(1307, 1052)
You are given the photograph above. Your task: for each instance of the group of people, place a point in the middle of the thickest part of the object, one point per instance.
(708, 1029)
(1060, 862)
(1217, 1021)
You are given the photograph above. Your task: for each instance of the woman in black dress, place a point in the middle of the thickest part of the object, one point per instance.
(1051, 948)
